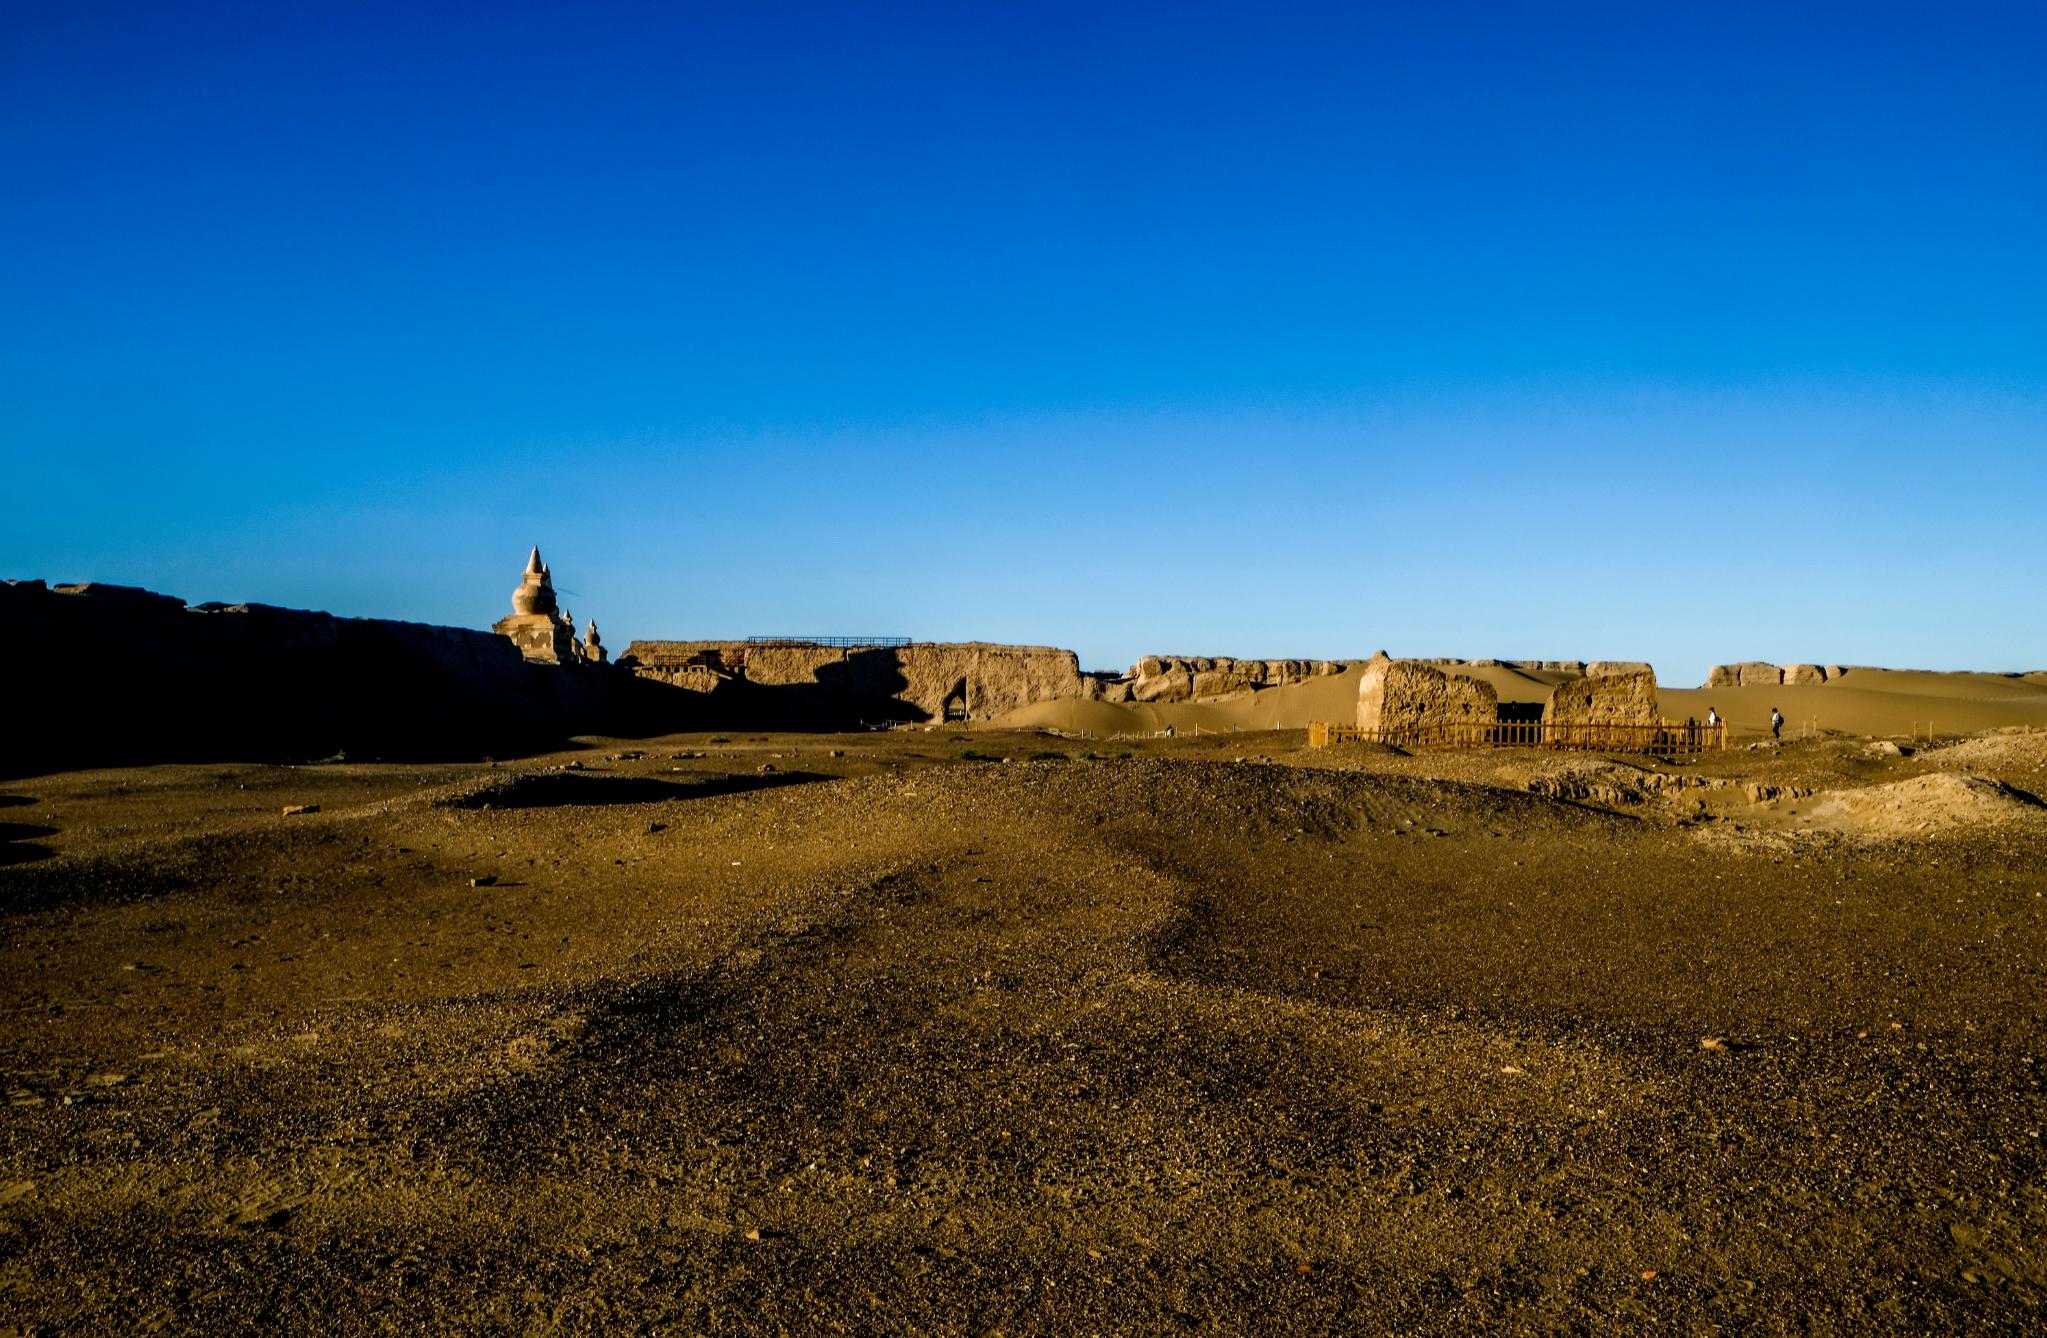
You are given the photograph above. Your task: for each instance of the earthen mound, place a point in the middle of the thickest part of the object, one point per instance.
(1926, 805)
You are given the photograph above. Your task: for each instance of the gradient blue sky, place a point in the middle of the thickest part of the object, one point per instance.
(1687, 334)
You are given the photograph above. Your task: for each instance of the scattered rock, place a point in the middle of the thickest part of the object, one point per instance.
(486, 881)
(293, 810)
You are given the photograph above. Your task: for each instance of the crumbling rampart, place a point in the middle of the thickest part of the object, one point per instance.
(1400, 694)
(1179, 678)
(1757, 673)
(1627, 698)
(255, 682)
(930, 681)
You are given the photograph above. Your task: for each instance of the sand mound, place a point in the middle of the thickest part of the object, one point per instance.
(1925, 805)
(1995, 751)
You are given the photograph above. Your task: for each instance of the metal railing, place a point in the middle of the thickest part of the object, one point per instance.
(1660, 740)
(836, 643)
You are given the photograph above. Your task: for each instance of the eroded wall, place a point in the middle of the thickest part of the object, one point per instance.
(1606, 699)
(1396, 694)
(972, 680)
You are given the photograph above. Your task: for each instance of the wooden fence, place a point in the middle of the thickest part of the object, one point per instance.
(1656, 740)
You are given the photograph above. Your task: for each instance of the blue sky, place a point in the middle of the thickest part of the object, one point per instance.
(1628, 332)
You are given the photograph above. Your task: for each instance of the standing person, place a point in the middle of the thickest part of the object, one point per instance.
(1712, 718)
(1776, 723)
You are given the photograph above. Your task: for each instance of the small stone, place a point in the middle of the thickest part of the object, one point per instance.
(767, 766)
(487, 880)
(1712, 1043)
(293, 810)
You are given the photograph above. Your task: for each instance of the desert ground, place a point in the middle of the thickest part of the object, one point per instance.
(1000, 1032)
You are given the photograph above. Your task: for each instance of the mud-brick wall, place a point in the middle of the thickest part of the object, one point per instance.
(1394, 694)
(979, 679)
(1610, 699)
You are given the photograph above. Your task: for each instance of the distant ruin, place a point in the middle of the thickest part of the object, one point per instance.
(1627, 697)
(917, 681)
(1174, 678)
(1404, 694)
(1757, 673)
(1606, 705)
(168, 682)
(537, 626)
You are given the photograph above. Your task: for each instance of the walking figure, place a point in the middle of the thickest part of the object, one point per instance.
(1776, 723)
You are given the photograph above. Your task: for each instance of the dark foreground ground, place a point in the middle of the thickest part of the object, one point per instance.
(902, 1042)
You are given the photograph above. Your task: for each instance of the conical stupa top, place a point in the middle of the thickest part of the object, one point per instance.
(536, 589)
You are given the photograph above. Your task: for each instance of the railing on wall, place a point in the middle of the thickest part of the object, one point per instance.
(833, 642)
(1656, 740)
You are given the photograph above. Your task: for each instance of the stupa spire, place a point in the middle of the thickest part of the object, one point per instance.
(539, 626)
(536, 589)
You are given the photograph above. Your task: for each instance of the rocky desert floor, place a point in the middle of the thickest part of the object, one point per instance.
(882, 1033)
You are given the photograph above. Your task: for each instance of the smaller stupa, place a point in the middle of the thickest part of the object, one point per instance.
(536, 626)
(593, 649)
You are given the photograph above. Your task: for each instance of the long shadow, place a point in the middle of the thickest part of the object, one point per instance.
(861, 690)
(17, 842)
(567, 789)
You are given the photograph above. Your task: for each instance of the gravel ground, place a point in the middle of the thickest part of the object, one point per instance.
(780, 1034)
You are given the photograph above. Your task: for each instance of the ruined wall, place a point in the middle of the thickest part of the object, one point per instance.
(1755, 673)
(976, 680)
(1747, 674)
(1394, 694)
(1179, 678)
(1608, 699)
(139, 677)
